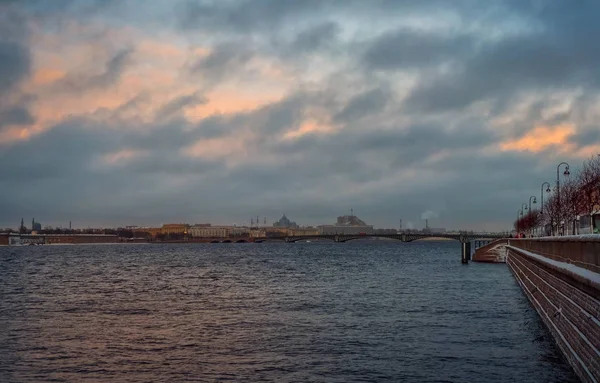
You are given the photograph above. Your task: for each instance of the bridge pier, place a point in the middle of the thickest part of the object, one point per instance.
(466, 252)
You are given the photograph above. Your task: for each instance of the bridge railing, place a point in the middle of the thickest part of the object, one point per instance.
(582, 251)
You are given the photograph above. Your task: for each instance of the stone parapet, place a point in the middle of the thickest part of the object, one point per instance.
(582, 251)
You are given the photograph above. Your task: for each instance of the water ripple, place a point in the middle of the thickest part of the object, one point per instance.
(322, 312)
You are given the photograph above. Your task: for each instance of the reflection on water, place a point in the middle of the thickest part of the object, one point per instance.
(358, 311)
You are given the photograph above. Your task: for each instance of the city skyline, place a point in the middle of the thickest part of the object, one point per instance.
(123, 112)
(263, 222)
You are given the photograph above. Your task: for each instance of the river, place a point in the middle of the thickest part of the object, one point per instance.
(372, 311)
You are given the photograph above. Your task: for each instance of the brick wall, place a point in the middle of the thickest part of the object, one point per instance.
(571, 314)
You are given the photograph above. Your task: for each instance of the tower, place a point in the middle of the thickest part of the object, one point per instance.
(22, 227)
(33, 224)
(426, 223)
(69, 225)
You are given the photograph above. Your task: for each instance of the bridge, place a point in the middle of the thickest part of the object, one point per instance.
(404, 237)
(480, 239)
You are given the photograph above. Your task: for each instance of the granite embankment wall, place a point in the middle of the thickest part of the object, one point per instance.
(493, 252)
(561, 279)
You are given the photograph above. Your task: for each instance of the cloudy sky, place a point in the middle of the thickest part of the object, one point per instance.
(147, 112)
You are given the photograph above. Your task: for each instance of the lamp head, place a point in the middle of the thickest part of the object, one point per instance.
(548, 189)
(534, 200)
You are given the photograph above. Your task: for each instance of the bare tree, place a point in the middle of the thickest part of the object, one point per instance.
(570, 204)
(588, 184)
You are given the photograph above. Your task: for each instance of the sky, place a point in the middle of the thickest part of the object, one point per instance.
(131, 112)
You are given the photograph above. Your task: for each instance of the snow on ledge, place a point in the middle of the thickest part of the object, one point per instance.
(564, 238)
(584, 274)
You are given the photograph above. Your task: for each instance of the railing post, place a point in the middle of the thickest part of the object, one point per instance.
(466, 252)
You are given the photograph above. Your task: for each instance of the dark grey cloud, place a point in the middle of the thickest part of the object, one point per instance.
(587, 135)
(14, 64)
(314, 38)
(560, 54)
(407, 48)
(364, 104)
(245, 16)
(226, 59)
(15, 116)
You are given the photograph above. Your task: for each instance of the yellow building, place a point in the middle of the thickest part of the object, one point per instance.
(204, 231)
(174, 228)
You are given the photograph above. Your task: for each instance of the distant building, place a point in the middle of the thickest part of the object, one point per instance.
(590, 223)
(304, 231)
(207, 231)
(174, 228)
(347, 224)
(277, 231)
(257, 233)
(350, 220)
(285, 222)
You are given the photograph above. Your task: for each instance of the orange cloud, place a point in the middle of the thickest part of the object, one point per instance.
(13, 134)
(229, 101)
(156, 74)
(309, 127)
(47, 76)
(122, 156)
(541, 138)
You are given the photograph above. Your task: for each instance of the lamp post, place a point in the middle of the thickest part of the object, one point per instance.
(566, 173)
(542, 195)
(534, 201)
(523, 206)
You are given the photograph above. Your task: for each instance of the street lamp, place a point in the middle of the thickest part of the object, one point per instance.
(542, 195)
(523, 206)
(566, 173)
(534, 201)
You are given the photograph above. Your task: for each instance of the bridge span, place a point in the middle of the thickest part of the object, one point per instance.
(466, 239)
(404, 237)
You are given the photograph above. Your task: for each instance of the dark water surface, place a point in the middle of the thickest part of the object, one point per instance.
(322, 312)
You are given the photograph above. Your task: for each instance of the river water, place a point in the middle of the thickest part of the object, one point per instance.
(372, 311)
